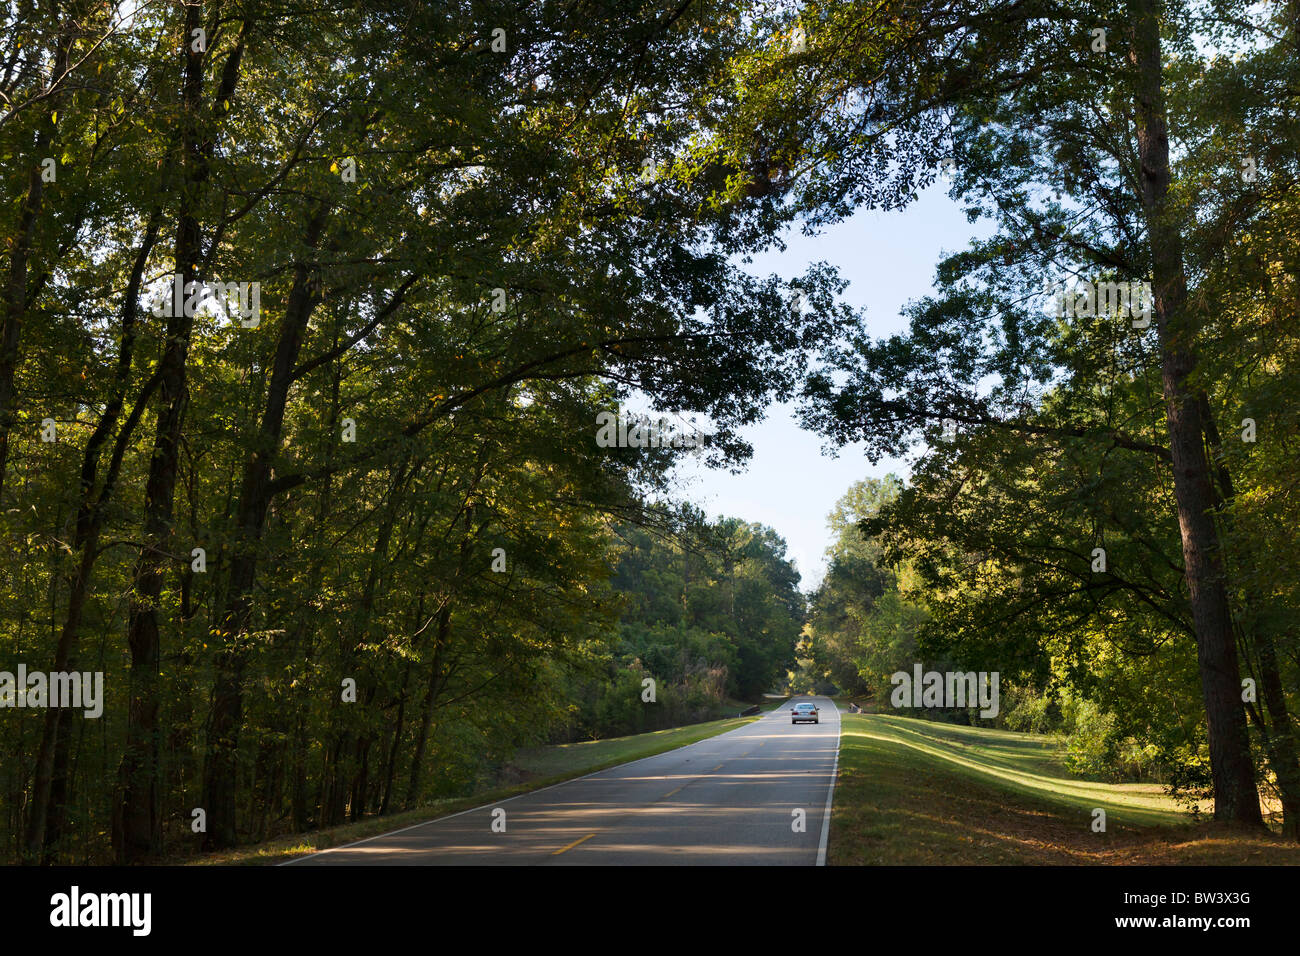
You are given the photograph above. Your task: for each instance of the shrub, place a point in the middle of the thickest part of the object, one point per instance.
(1092, 743)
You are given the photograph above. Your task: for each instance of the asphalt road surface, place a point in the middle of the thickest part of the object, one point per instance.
(723, 801)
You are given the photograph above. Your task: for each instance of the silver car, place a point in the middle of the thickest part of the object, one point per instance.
(805, 712)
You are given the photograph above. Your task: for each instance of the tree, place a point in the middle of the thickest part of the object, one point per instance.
(452, 245)
(1063, 140)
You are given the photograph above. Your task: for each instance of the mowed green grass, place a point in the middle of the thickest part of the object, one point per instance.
(538, 767)
(915, 792)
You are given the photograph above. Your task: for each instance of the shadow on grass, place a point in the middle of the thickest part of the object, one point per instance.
(913, 792)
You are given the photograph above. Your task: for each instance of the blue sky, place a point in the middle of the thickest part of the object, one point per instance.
(790, 485)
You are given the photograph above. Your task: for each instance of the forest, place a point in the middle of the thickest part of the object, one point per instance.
(314, 315)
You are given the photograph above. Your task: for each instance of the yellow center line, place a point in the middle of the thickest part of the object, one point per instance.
(671, 792)
(718, 767)
(573, 844)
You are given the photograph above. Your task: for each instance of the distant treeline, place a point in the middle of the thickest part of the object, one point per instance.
(710, 623)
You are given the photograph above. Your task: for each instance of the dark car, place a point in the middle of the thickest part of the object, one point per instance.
(805, 712)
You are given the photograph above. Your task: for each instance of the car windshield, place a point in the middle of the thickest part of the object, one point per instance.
(804, 707)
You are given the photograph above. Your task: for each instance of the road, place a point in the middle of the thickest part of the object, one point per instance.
(723, 801)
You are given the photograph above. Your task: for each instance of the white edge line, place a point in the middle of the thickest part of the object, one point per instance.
(529, 793)
(830, 794)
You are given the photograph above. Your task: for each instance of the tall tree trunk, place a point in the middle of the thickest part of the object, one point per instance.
(352, 750)
(300, 806)
(437, 680)
(45, 817)
(1279, 733)
(16, 292)
(1236, 798)
(15, 308)
(394, 747)
(427, 706)
(358, 801)
(220, 764)
(333, 791)
(1274, 721)
(137, 833)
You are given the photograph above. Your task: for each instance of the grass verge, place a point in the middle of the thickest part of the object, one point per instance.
(913, 792)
